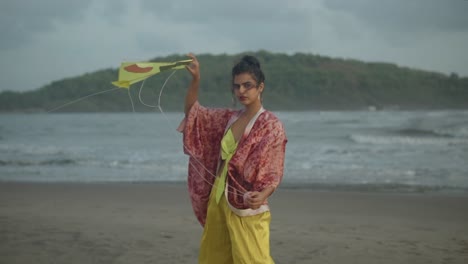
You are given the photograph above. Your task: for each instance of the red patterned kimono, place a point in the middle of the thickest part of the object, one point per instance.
(257, 163)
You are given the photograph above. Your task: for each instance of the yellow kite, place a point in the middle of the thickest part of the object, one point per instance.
(133, 72)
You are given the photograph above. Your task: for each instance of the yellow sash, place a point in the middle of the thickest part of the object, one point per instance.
(228, 148)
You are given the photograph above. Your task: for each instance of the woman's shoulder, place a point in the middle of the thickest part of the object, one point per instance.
(269, 121)
(269, 116)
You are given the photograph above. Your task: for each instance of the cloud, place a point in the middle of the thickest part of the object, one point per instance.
(407, 16)
(245, 25)
(22, 19)
(54, 39)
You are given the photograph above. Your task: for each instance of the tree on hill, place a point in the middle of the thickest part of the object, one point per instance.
(293, 82)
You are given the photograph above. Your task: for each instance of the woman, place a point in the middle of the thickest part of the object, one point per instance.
(236, 162)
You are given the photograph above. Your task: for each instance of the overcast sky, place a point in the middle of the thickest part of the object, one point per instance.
(47, 40)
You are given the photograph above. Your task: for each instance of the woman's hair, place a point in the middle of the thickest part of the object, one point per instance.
(249, 64)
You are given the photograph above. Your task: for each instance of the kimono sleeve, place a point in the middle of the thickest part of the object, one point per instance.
(272, 149)
(202, 130)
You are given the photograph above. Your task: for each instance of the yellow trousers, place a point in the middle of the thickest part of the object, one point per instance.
(229, 238)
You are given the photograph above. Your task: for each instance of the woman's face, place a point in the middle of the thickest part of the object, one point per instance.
(246, 89)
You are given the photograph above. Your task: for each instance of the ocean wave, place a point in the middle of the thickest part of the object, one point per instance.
(156, 165)
(343, 122)
(372, 187)
(413, 132)
(25, 163)
(446, 125)
(31, 150)
(456, 131)
(90, 162)
(409, 139)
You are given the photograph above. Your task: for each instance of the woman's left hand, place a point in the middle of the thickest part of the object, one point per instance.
(255, 199)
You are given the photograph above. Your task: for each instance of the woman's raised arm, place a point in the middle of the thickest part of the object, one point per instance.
(192, 93)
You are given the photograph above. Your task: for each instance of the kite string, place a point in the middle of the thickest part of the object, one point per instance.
(139, 95)
(131, 100)
(80, 99)
(169, 122)
(160, 93)
(240, 192)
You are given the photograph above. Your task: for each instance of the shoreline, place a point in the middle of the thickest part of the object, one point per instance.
(316, 187)
(154, 223)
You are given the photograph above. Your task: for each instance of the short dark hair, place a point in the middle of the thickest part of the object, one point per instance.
(249, 64)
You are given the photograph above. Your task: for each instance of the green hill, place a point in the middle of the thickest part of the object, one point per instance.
(293, 82)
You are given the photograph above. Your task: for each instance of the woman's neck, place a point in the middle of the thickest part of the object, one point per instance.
(252, 109)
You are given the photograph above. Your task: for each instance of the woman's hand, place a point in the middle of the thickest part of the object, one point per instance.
(192, 93)
(255, 199)
(194, 67)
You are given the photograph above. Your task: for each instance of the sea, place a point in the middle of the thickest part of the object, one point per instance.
(411, 151)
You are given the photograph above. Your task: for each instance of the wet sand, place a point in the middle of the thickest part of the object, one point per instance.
(153, 223)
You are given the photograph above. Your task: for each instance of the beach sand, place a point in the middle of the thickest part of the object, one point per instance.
(153, 223)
